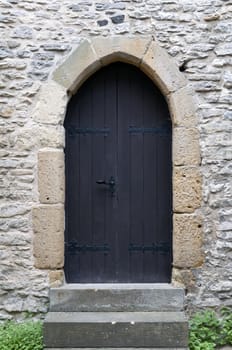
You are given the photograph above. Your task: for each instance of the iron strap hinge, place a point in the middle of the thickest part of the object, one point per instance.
(162, 247)
(160, 130)
(73, 247)
(73, 130)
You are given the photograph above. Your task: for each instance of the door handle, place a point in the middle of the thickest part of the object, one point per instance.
(111, 183)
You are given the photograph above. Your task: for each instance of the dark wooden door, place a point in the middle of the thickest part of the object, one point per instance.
(118, 180)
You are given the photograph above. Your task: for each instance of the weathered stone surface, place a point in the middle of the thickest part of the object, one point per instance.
(79, 65)
(6, 111)
(4, 52)
(120, 48)
(159, 66)
(51, 176)
(224, 50)
(182, 108)
(102, 22)
(11, 210)
(186, 149)
(116, 329)
(23, 32)
(186, 189)
(187, 241)
(117, 19)
(184, 278)
(56, 47)
(51, 136)
(122, 297)
(212, 17)
(48, 225)
(117, 6)
(51, 105)
(56, 278)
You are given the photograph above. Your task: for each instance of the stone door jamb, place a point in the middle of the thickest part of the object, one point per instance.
(50, 109)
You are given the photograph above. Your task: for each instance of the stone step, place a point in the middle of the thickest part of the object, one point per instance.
(115, 329)
(116, 297)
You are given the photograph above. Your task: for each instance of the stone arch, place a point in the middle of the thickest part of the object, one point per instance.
(88, 57)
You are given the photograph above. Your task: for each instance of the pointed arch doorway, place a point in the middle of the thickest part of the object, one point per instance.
(118, 161)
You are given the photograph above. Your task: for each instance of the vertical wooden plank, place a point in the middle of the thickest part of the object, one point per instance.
(165, 205)
(110, 79)
(85, 189)
(123, 235)
(136, 175)
(150, 198)
(72, 261)
(98, 172)
(164, 176)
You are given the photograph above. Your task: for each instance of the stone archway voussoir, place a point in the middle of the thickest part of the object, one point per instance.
(78, 67)
(182, 108)
(128, 50)
(157, 64)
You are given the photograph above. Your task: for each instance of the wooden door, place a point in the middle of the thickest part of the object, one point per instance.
(118, 180)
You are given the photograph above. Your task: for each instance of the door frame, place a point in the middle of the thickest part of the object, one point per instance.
(49, 113)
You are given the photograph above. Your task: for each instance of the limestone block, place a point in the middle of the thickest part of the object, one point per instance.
(186, 149)
(81, 63)
(161, 68)
(51, 176)
(186, 189)
(51, 105)
(182, 108)
(187, 241)
(184, 278)
(126, 49)
(48, 244)
(56, 278)
(51, 136)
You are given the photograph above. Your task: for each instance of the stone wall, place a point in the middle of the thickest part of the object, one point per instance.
(36, 37)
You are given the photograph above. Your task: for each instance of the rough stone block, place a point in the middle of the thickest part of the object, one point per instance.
(187, 241)
(161, 68)
(56, 278)
(186, 146)
(51, 105)
(51, 136)
(184, 278)
(51, 176)
(48, 244)
(120, 48)
(77, 67)
(182, 108)
(187, 192)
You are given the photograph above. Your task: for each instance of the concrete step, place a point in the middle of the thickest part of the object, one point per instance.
(116, 330)
(116, 297)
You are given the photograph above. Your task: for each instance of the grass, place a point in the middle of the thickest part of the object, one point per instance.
(209, 330)
(21, 336)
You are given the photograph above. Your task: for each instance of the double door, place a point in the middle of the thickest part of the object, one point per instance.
(118, 180)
